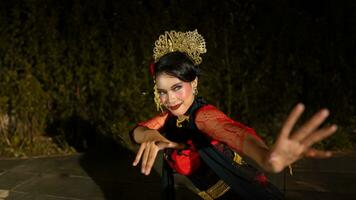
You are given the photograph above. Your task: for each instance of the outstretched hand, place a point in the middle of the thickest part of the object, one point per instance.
(147, 153)
(289, 147)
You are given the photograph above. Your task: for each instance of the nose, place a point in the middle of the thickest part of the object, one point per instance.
(171, 98)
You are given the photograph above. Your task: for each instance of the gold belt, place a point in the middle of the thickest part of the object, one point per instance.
(220, 188)
(215, 191)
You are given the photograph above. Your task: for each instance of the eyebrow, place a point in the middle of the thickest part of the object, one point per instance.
(173, 86)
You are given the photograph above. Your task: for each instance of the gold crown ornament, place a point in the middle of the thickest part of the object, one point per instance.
(191, 43)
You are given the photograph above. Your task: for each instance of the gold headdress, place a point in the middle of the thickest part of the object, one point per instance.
(191, 43)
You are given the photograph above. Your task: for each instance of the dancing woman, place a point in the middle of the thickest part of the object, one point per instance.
(202, 143)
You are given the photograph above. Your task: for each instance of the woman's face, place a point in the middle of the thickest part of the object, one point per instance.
(176, 95)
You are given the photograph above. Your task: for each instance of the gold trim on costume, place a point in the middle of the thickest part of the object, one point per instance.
(215, 191)
(219, 188)
(181, 119)
(238, 159)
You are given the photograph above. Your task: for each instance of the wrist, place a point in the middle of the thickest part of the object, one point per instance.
(267, 164)
(141, 134)
(151, 135)
(272, 163)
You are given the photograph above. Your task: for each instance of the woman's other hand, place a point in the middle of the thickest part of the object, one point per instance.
(147, 153)
(291, 147)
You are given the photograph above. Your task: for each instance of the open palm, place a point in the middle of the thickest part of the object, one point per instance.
(289, 147)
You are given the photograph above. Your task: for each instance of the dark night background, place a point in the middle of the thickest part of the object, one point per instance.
(74, 73)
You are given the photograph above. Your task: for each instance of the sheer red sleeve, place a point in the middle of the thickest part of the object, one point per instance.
(218, 126)
(155, 122)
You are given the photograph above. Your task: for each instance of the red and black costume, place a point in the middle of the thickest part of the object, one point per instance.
(211, 140)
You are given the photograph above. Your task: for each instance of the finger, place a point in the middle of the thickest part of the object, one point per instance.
(151, 160)
(314, 153)
(139, 154)
(145, 157)
(319, 135)
(175, 145)
(291, 120)
(162, 145)
(310, 125)
(170, 144)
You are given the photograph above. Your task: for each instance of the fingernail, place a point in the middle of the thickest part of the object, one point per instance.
(325, 112)
(301, 105)
(334, 127)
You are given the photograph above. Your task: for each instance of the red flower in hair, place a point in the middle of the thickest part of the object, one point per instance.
(152, 69)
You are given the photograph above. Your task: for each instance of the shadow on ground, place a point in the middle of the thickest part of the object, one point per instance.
(112, 171)
(110, 166)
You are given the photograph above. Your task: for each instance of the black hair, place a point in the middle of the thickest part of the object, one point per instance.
(177, 64)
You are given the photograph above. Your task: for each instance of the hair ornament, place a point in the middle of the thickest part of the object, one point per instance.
(191, 43)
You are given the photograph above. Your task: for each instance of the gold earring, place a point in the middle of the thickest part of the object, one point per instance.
(195, 91)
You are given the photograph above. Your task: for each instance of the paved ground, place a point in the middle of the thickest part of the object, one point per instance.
(102, 176)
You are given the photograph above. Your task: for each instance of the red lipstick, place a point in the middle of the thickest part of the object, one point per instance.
(175, 107)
